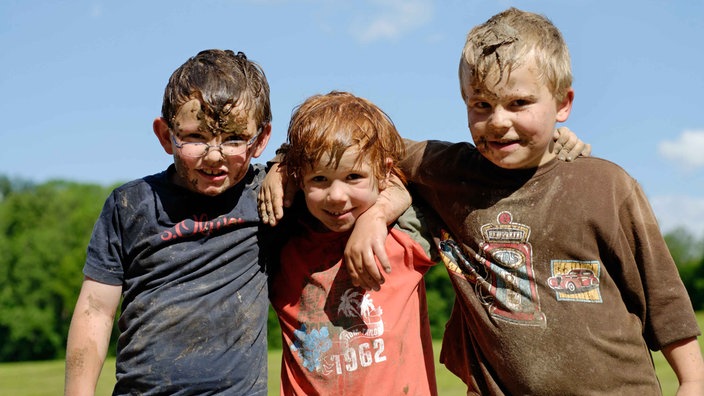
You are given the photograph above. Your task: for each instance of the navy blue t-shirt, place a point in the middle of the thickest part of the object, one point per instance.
(194, 287)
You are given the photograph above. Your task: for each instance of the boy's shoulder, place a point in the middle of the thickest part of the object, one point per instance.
(144, 183)
(440, 148)
(259, 171)
(596, 165)
(433, 156)
(593, 176)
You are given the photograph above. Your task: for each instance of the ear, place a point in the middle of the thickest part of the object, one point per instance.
(565, 107)
(262, 141)
(161, 130)
(384, 182)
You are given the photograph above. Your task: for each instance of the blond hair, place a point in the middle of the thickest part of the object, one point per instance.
(505, 42)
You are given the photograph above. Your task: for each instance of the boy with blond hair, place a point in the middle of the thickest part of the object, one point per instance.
(563, 281)
(340, 339)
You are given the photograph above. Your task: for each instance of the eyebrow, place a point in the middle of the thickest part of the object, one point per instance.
(240, 135)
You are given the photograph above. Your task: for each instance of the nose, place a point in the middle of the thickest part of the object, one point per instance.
(500, 118)
(337, 192)
(214, 153)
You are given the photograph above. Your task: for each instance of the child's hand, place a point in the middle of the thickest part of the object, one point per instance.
(368, 238)
(365, 243)
(568, 146)
(276, 192)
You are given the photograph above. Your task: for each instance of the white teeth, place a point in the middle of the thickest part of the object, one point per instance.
(211, 172)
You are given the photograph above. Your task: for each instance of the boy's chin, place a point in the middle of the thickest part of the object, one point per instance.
(337, 227)
(513, 162)
(209, 190)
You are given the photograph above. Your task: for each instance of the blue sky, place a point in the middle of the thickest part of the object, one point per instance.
(83, 80)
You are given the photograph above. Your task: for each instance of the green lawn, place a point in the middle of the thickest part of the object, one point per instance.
(47, 378)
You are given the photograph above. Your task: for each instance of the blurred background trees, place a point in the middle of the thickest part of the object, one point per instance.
(44, 232)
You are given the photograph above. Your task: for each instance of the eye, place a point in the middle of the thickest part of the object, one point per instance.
(318, 179)
(194, 137)
(520, 103)
(355, 176)
(480, 106)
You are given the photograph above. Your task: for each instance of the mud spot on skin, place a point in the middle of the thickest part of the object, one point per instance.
(93, 304)
(231, 119)
(189, 110)
(76, 361)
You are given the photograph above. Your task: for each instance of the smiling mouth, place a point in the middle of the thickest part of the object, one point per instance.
(502, 143)
(212, 172)
(337, 214)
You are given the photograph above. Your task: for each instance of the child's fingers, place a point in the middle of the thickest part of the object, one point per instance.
(272, 194)
(586, 151)
(362, 266)
(383, 261)
(266, 211)
(270, 204)
(565, 140)
(355, 267)
(365, 244)
(568, 146)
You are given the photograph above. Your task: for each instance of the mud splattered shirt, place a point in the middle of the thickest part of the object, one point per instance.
(195, 305)
(562, 277)
(343, 340)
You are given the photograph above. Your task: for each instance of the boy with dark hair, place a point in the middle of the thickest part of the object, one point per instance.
(182, 248)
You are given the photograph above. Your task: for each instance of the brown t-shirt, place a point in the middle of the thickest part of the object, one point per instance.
(563, 280)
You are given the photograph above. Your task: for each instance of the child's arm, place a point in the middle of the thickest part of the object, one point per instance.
(275, 193)
(89, 336)
(369, 235)
(277, 189)
(686, 361)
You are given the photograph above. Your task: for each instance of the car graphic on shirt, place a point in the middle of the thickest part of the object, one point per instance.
(577, 280)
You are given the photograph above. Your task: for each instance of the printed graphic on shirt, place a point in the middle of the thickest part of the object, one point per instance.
(199, 225)
(333, 350)
(575, 280)
(502, 272)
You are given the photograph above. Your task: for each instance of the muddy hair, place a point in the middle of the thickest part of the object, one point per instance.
(222, 81)
(505, 42)
(328, 125)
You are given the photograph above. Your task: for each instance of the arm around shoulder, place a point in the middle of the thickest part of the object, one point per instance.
(685, 358)
(369, 235)
(89, 336)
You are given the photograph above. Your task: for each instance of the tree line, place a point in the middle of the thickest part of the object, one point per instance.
(44, 232)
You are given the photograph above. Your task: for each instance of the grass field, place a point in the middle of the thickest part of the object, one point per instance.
(47, 378)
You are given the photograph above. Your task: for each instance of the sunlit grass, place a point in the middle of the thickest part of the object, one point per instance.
(47, 378)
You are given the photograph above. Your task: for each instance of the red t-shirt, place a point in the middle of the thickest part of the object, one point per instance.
(340, 339)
